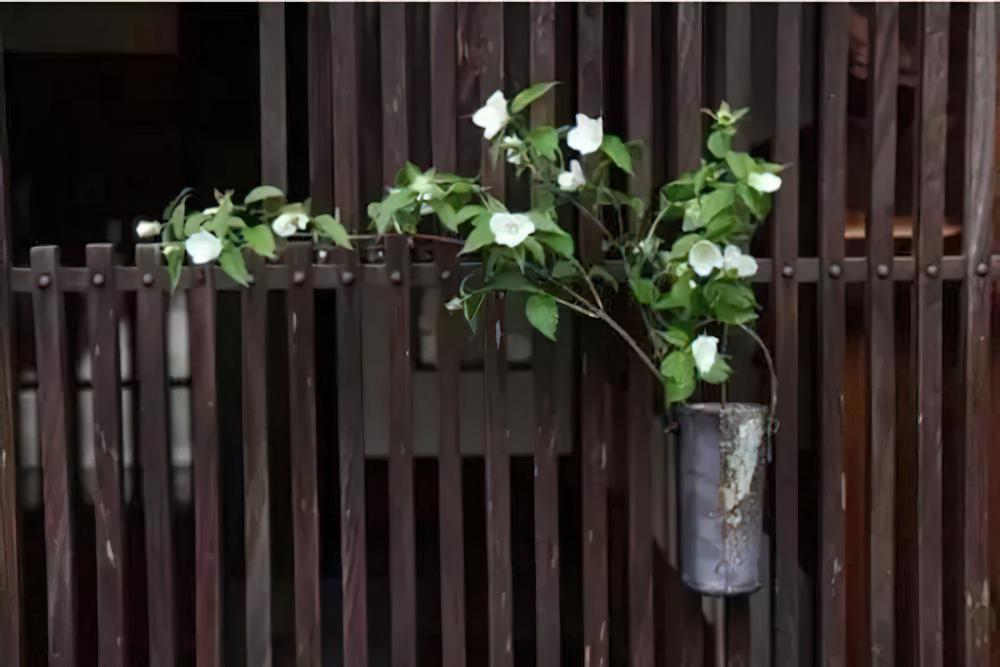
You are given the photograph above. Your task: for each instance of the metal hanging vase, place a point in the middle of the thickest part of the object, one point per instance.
(721, 495)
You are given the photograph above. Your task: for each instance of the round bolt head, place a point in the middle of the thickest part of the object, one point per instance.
(982, 268)
(445, 275)
(44, 280)
(380, 254)
(835, 270)
(97, 279)
(347, 277)
(932, 270)
(396, 277)
(788, 270)
(882, 271)
(299, 277)
(147, 279)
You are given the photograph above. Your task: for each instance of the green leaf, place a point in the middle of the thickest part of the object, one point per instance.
(194, 222)
(561, 244)
(713, 204)
(759, 203)
(563, 270)
(644, 290)
(467, 213)
(471, 307)
(679, 296)
(231, 261)
(615, 149)
(741, 164)
(262, 193)
(221, 223)
(544, 223)
(389, 206)
(678, 370)
(445, 213)
(177, 219)
(175, 262)
(677, 337)
(530, 94)
(545, 140)
(598, 271)
(719, 142)
(536, 250)
(680, 190)
(481, 236)
(183, 195)
(682, 246)
(332, 228)
(543, 313)
(718, 373)
(260, 239)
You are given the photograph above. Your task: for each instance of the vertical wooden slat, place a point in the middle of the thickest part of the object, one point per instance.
(590, 98)
(546, 480)
(785, 308)
(932, 127)
(154, 448)
(883, 76)
(444, 150)
(594, 504)
(346, 74)
(205, 429)
(10, 558)
(402, 542)
(395, 89)
(57, 474)
(301, 320)
(977, 234)
(273, 115)
(109, 519)
(832, 214)
(256, 501)
(320, 99)
(489, 20)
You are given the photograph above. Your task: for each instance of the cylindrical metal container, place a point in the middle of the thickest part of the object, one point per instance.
(721, 492)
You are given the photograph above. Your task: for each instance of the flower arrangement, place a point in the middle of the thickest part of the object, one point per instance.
(683, 257)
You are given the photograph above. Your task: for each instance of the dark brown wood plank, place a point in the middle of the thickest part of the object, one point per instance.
(590, 99)
(154, 450)
(832, 214)
(980, 127)
(350, 413)
(594, 503)
(402, 541)
(395, 89)
(320, 99)
(207, 498)
(273, 114)
(54, 418)
(109, 511)
(785, 310)
(639, 84)
(883, 76)
(450, 335)
(686, 139)
(444, 100)
(932, 126)
(490, 29)
(301, 322)
(542, 63)
(11, 608)
(640, 540)
(256, 494)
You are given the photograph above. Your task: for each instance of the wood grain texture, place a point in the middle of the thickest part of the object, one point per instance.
(301, 323)
(273, 111)
(594, 503)
(831, 215)
(933, 125)
(11, 604)
(154, 450)
(880, 325)
(109, 510)
(207, 494)
(590, 99)
(320, 100)
(977, 206)
(395, 89)
(640, 538)
(785, 309)
(402, 540)
(256, 491)
(54, 417)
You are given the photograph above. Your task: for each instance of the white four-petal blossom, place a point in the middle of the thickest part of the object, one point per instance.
(493, 115)
(572, 180)
(287, 224)
(764, 181)
(510, 229)
(733, 258)
(146, 229)
(705, 349)
(704, 257)
(203, 247)
(587, 135)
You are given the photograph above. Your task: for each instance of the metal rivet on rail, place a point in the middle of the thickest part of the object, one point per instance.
(445, 275)
(396, 278)
(347, 277)
(982, 269)
(788, 270)
(97, 279)
(932, 270)
(380, 254)
(44, 280)
(299, 277)
(147, 279)
(834, 270)
(882, 271)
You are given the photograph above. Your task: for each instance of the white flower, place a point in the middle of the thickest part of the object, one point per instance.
(572, 180)
(203, 247)
(147, 229)
(704, 257)
(492, 116)
(425, 209)
(764, 181)
(587, 135)
(510, 229)
(211, 210)
(287, 224)
(514, 157)
(733, 258)
(705, 349)
(511, 141)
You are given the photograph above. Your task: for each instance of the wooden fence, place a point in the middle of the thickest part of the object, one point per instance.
(884, 516)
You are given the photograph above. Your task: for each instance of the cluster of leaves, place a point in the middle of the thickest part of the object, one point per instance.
(417, 194)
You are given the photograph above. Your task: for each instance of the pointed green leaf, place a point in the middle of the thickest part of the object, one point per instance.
(480, 237)
(719, 372)
(615, 149)
(543, 313)
(530, 94)
(262, 193)
(260, 239)
(545, 140)
(719, 142)
(231, 261)
(332, 228)
(561, 243)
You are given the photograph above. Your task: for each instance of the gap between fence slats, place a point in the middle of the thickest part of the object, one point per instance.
(831, 214)
(154, 451)
(109, 511)
(273, 114)
(54, 417)
(301, 323)
(980, 127)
